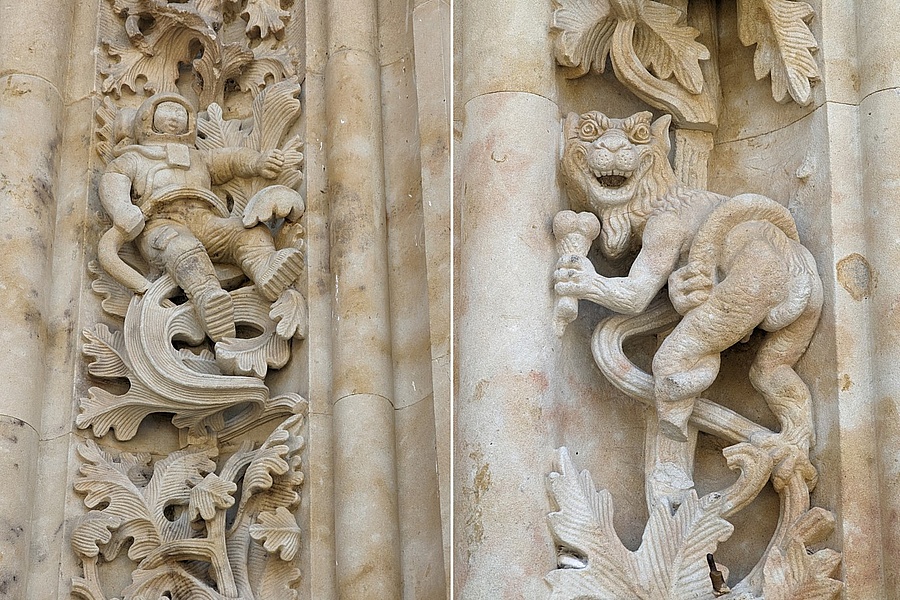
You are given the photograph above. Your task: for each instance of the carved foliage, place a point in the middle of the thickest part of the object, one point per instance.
(784, 45)
(655, 53)
(150, 41)
(649, 44)
(671, 561)
(274, 110)
(175, 518)
(191, 385)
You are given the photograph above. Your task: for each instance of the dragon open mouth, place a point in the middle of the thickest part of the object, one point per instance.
(613, 179)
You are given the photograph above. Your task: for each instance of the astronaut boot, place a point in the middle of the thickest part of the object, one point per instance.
(216, 312)
(274, 273)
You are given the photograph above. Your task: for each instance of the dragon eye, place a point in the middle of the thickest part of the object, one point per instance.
(640, 134)
(589, 131)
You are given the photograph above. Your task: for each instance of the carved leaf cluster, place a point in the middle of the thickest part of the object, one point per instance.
(175, 520)
(784, 45)
(264, 18)
(671, 562)
(655, 53)
(274, 109)
(149, 61)
(163, 379)
(150, 42)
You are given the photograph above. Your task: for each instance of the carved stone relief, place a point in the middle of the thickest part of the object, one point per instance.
(655, 53)
(201, 263)
(732, 266)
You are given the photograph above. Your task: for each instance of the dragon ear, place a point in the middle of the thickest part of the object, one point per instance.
(571, 126)
(660, 127)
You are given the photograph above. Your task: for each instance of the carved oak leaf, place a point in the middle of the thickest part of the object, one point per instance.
(278, 532)
(667, 47)
(265, 17)
(585, 35)
(290, 312)
(107, 481)
(784, 45)
(254, 355)
(274, 476)
(174, 478)
(209, 496)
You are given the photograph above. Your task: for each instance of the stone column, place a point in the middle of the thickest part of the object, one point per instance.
(879, 113)
(33, 66)
(365, 480)
(507, 349)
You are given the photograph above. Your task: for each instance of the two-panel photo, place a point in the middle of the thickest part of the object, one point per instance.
(449, 300)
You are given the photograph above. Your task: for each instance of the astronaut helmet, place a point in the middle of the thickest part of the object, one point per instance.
(165, 118)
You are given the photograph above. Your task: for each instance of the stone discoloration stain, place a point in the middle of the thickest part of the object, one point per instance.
(846, 383)
(856, 276)
(481, 484)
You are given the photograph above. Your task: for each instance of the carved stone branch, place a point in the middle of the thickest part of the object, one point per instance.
(654, 52)
(160, 512)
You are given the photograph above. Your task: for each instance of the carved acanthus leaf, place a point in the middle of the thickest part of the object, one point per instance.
(165, 379)
(585, 35)
(107, 348)
(792, 571)
(666, 46)
(115, 296)
(671, 562)
(784, 45)
(218, 65)
(148, 61)
(584, 525)
(649, 44)
(109, 482)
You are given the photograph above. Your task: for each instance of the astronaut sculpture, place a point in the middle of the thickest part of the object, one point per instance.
(157, 192)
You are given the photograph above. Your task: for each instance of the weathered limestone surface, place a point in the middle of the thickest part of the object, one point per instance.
(350, 499)
(823, 154)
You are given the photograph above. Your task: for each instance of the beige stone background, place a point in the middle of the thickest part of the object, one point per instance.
(378, 67)
(520, 391)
